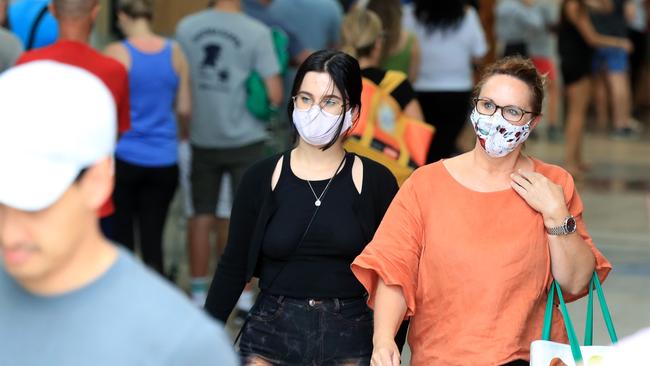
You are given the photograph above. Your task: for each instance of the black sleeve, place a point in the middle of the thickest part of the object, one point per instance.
(404, 94)
(230, 278)
(386, 190)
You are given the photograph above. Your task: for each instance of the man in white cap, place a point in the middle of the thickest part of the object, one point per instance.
(67, 295)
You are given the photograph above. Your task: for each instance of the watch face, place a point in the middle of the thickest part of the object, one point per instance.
(571, 225)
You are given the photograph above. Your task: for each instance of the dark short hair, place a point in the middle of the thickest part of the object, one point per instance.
(346, 76)
(522, 69)
(137, 8)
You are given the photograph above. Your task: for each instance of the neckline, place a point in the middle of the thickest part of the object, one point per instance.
(448, 174)
(286, 166)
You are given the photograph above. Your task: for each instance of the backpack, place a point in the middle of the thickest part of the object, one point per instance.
(257, 101)
(384, 134)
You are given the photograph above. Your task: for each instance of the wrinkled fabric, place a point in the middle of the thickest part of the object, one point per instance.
(474, 267)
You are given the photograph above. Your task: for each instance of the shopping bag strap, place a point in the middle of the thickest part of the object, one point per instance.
(589, 327)
(548, 320)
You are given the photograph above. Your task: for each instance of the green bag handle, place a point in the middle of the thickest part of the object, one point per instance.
(589, 328)
(573, 339)
(548, 319)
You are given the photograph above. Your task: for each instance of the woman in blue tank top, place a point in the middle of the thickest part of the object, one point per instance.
(146, 171)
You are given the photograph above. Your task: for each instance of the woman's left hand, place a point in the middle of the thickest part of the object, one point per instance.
(542, 195)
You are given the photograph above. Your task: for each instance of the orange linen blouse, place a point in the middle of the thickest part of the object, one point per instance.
(474, 267)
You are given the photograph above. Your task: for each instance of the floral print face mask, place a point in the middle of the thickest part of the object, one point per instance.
(497, 136)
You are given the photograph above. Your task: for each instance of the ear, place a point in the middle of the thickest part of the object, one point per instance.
(52, 10)
(97, 183)
(535, 121)
(95, 12)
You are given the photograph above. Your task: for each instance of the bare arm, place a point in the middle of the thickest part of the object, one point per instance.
(416, 60)
(118, 52)
(390, 308)
(600, 6)
(581, 20)
(184, 92)
(274, 89)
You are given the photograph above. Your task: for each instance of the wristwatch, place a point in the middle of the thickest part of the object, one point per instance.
(569, 227)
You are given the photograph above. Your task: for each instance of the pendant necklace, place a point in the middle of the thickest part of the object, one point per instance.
(318, 198)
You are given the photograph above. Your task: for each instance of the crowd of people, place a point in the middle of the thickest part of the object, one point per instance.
(325, 256)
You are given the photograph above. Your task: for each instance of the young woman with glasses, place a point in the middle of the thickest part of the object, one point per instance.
(470, 244)
(298, 221)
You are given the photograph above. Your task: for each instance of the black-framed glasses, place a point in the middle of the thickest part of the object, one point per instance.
(510, 113)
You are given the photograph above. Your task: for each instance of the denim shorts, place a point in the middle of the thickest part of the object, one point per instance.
(610, 59)
(288, 331)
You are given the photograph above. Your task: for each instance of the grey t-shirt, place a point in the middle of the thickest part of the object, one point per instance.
(223, 49)
(317, 23)
(540, 42)
(128, 316)
(514, 20)
(10, 49)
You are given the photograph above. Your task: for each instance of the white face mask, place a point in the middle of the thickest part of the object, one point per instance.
(497, 136)
(318, 127)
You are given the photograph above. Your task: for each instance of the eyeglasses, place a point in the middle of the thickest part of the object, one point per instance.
(511, 113)
(329, 104)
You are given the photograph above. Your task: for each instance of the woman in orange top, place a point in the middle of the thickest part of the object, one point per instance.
(470, 245)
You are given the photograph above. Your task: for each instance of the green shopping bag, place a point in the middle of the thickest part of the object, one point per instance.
(257, 100)
(544, 351)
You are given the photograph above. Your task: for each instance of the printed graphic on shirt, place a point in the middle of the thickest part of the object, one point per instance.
(218, 47)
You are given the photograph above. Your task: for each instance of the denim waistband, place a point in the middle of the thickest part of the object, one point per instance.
(333, 303)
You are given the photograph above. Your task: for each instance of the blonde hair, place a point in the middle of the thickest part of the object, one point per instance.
(359, 31)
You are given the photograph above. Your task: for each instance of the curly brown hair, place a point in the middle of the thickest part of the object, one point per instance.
(522, 69)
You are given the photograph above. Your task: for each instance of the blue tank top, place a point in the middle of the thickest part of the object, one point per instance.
(152, 140)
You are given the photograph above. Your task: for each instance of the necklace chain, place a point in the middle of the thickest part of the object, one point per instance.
(318, 198)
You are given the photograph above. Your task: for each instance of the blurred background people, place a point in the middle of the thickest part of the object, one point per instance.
(515, 19)
(362, 38)
(611, 66)
(146, 171)
(223, 47)
(541, 48)
(400, 49)
(577, 39)
(75, 19)
(33, 23)
(450, 33)
(10, 45)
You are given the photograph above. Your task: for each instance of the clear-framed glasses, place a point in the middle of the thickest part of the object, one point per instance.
(330, 104)
(510, 113)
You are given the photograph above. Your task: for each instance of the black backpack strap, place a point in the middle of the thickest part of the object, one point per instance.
(32, 32)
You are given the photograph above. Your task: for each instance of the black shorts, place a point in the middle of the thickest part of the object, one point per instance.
(208, 167)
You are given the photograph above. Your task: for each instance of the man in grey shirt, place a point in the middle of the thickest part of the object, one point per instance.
(10, 49)
(10, 46)
(67, 295)
(223, 46)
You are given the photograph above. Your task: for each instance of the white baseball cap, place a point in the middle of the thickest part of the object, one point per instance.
(55, 121)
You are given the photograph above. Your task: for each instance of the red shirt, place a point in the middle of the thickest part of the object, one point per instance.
(111, 72)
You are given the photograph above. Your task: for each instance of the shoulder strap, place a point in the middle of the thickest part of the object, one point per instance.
(32, 32)
(392, 80)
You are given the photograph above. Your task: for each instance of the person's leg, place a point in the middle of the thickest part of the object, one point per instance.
(620, 86)
(601, 99)
(577, 96)
(205, 178)
(157, 194)
(125, 196)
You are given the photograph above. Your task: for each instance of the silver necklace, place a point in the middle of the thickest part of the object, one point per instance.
(318, 198)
